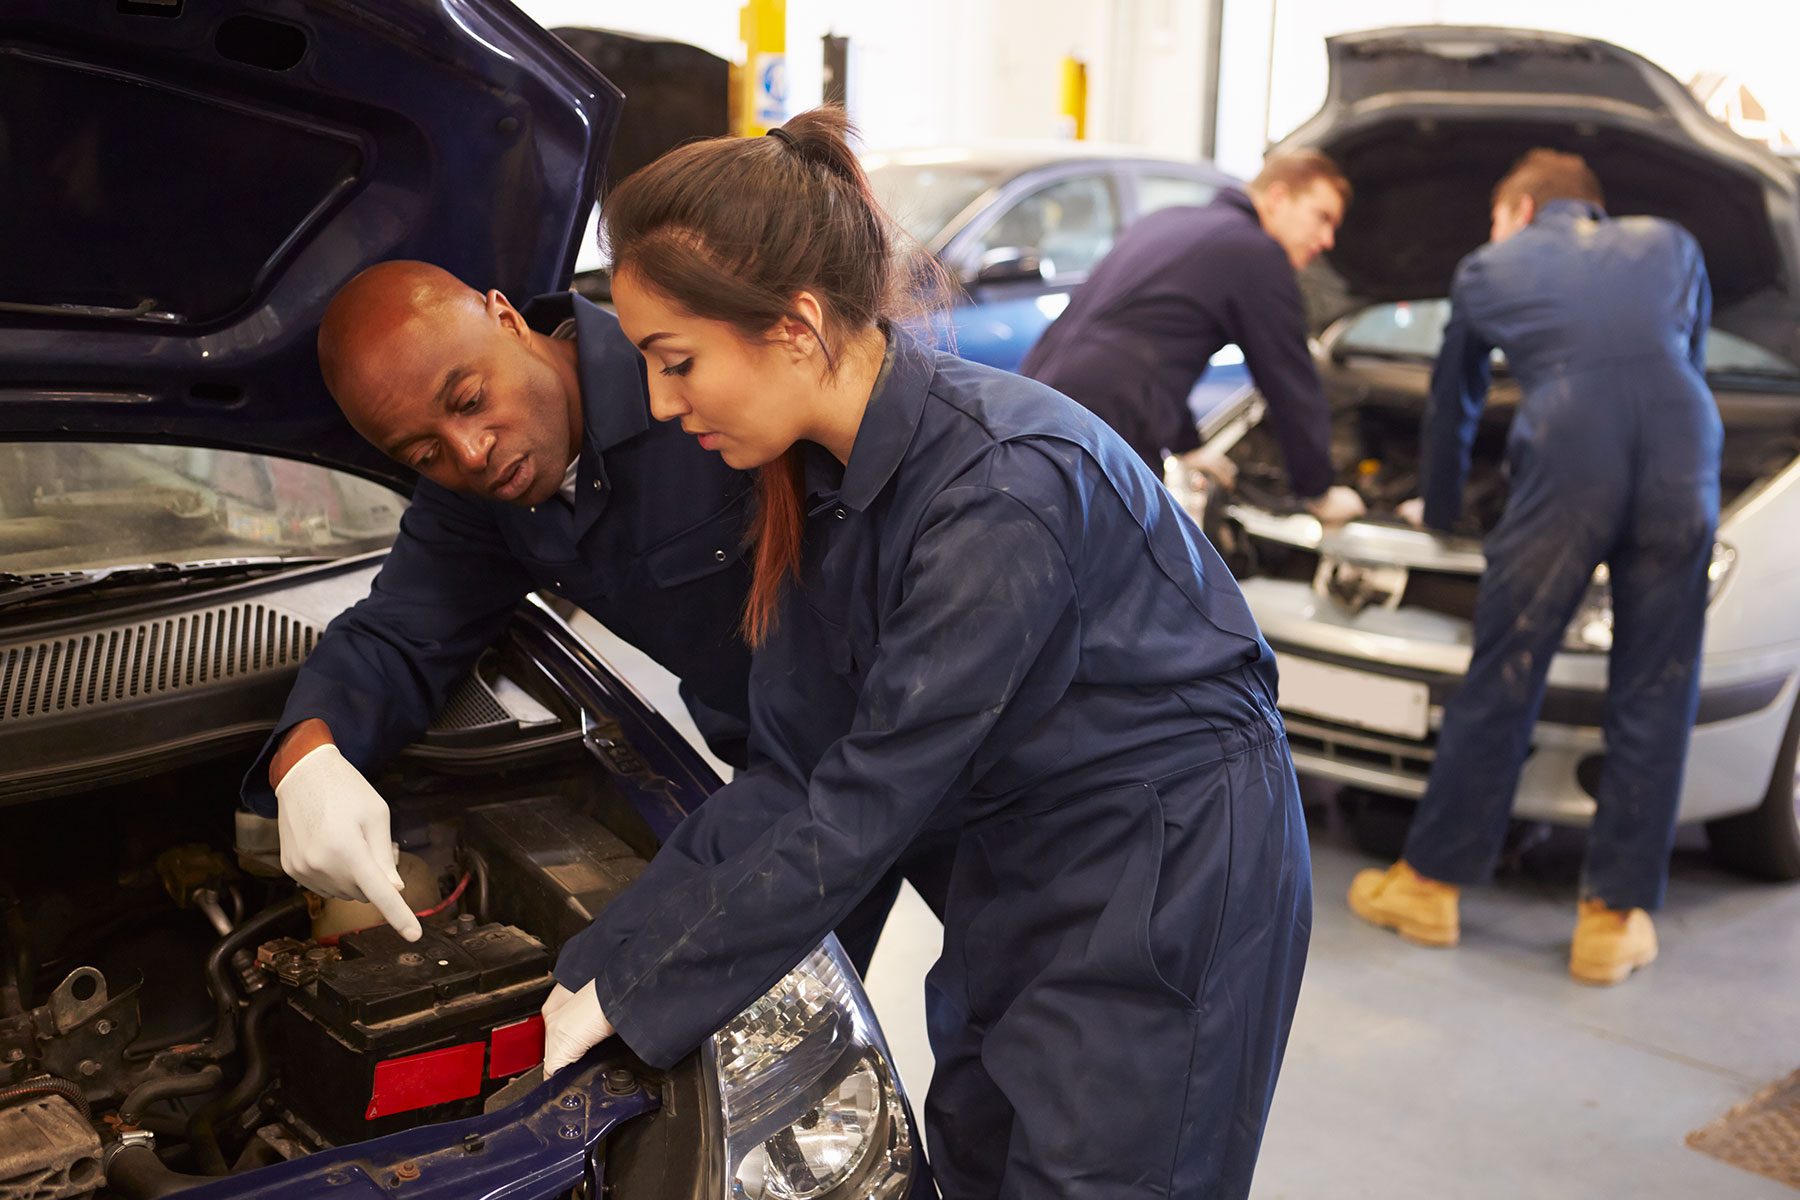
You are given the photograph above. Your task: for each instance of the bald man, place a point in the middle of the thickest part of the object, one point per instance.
(540, 469)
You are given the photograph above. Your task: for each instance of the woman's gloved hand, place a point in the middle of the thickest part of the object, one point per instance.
(335, 838)
(573, 1025)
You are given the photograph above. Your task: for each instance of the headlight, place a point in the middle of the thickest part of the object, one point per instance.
(1591, 631)
(811, 1108)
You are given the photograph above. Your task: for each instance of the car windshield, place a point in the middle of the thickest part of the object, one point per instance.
(1415, 329)
(925, 197)
(67, 506)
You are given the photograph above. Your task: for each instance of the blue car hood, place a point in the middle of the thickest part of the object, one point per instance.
(186, 183)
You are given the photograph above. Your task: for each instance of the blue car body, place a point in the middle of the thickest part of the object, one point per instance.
(191, 182)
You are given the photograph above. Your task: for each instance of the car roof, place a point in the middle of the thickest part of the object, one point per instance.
(1023, 155)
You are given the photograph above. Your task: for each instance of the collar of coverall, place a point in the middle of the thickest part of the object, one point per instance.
(886, 431)
(1570, 210)
(602, 363)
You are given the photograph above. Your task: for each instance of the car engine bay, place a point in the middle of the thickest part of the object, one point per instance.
(161, 979)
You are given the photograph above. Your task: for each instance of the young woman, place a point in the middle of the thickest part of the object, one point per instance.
(975, 611)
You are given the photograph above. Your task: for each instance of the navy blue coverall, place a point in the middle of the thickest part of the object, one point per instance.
(1176, 287)
(1613, 458)
(653, 549)
(1048, 659)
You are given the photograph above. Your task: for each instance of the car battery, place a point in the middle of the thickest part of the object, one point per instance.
(391, 1034)
(551, 867)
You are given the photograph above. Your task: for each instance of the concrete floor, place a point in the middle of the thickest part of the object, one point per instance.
(1482, 1071)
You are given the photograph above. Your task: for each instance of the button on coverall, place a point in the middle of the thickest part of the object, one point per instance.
(1049, 661)
(1613, 458)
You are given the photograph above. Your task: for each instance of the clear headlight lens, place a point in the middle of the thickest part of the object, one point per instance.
(811, 1108)
(1591, 630)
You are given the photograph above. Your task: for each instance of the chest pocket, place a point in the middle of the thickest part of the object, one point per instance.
(706, 549)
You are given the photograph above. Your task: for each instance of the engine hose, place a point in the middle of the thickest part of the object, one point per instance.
(167, 1087)
(135, 1173)
(49, 1085)
(202, 1131)
(251, 932)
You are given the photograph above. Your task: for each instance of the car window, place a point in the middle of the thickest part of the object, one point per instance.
(76, 505)
(1167, 191)
(1071, 224)
(1415, 328)
(925, 197)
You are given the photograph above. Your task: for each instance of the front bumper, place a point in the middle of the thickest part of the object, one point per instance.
(1744, 705)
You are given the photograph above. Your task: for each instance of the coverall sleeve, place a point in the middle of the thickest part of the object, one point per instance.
(384, 667)
(1459, 386)
(696, 944)
(1702, 311)
(1269, 322)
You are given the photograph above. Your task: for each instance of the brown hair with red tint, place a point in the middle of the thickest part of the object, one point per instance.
(732, 230)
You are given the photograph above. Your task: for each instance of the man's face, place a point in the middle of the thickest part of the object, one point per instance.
(467, 396)
(1509, 217)
(1304, 221)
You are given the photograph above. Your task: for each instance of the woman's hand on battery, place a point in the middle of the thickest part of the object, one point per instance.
(573, 1025)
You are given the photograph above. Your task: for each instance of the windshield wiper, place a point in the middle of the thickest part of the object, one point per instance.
(16, 590)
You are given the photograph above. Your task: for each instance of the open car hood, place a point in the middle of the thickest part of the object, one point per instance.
(188, 182)
(1424, 121)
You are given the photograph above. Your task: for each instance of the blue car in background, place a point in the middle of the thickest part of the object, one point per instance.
(1020, 225)
(183, 511)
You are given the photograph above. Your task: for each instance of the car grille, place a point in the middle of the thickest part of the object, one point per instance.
(134, 661)
(1447, 592)
(1341, 743)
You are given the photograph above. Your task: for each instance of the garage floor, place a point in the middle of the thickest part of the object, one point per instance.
(1483, 1071)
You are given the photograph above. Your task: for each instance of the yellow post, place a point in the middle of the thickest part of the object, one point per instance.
(760, 85)
(1074, 98)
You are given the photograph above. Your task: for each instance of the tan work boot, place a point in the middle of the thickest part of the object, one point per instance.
(1421, 910)
(1610, 943)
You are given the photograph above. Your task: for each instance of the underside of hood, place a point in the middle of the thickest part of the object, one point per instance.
(1425, 121)
(188, 182)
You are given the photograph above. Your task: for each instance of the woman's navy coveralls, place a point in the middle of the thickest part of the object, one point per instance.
(1047, 657)
(1613, 458)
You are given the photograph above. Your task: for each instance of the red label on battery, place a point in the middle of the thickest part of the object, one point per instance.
(421, 1080)
(516, 1048)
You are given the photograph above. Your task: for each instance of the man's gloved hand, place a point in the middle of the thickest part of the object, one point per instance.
(573, 1025)
(335, 838)
(1338, 506)
(1412, 512)
(1218, 469)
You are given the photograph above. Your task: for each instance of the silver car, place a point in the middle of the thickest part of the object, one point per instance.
(1373, 621)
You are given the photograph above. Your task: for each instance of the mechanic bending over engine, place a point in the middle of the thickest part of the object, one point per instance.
(1613, 458)
(1045, 661)
(1184, 282)
(540, 468)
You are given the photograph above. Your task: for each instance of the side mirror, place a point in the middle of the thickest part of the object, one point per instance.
(1013, 264)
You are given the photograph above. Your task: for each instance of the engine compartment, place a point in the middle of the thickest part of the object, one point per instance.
(1376, 409)
(158, 976)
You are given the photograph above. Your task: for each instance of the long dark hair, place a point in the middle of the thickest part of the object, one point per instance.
(732, 229)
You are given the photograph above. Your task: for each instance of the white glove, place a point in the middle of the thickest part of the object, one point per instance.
(1338, 506)
(1412, 512)
(573, 1025)
(1213, 464)
(335, 839)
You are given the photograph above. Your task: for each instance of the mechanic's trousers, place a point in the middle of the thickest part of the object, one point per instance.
(1618, 465)
(1118, 978)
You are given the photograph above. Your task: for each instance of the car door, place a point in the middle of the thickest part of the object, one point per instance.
(1020, 262)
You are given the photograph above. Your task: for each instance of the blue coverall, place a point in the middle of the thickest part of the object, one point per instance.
(1048, 659)
(1176, 287)
(653, 549)
(1613, 457)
